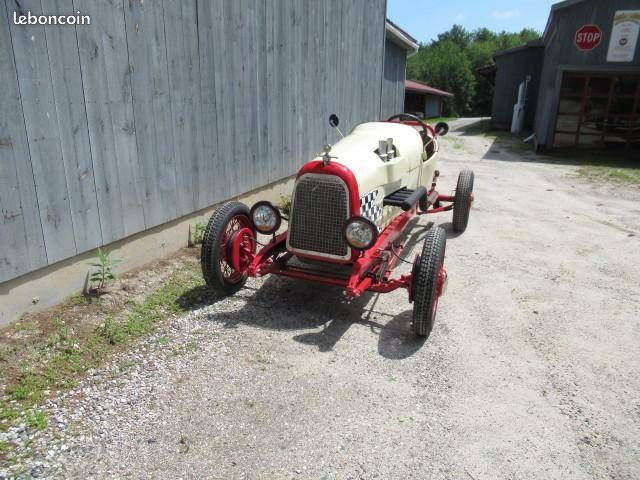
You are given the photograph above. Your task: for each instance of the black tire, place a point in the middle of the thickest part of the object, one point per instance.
(425, 281)
(424, 202)
(214, 266)
(462, 201)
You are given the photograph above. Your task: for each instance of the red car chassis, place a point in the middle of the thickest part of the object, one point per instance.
(371, 270)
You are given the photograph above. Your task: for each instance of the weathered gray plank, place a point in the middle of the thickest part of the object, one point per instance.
(274, 91)
(105, 74)
(180, 23)
(66, 77)
(152, 109)
(43, 134)
(238, 31)
(261, 100)
(292, 105)
(216, 183)
(21, 237)
(334, 70)
(252, 71)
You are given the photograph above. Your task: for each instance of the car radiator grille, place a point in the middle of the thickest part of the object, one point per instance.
(320, 208)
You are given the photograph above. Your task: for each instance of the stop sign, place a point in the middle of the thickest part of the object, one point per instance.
(588, 37)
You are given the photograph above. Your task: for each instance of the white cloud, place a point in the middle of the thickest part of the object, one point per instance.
(459, 17)
(505, 14)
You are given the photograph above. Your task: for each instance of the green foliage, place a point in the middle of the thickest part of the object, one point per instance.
(446, 66)
(450, 62)
(285, 205)
(37, 420)
(104, 272)
(198, 233)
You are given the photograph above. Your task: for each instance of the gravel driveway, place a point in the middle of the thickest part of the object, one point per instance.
(532, 370)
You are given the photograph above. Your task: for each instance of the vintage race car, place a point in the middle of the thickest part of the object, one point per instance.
(349, 207)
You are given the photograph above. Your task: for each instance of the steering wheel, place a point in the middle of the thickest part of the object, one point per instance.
(425, 129)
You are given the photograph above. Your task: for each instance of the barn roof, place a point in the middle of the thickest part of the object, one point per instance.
(422, 88)
(398, 36)
(537, 43)
(555, 7)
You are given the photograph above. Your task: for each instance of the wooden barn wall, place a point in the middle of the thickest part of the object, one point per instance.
(562, 55)
(395, 62)
(511, 70)
(160, 108)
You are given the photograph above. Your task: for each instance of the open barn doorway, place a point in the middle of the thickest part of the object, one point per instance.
(598, 110)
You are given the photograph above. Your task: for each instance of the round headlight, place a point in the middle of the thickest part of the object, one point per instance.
(360, 233)
(265, 217)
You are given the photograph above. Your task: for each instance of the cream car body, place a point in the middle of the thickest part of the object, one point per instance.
(377, 178)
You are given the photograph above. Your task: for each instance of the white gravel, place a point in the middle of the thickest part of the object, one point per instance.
(532, 370)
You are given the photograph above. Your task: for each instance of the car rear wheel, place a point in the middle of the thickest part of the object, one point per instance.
(428, 281)
(227, 246)
(462, 200)
(424, 202)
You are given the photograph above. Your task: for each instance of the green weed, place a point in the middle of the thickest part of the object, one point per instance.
(104, 273)
(37, 420)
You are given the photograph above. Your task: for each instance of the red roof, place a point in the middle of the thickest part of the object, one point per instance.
(421, 87)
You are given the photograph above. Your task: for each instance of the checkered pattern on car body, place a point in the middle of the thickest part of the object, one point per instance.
(371, 207)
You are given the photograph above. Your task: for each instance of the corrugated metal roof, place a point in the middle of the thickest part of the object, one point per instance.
(421, 87)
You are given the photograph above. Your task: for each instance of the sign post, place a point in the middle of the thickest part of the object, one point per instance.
(588, 37)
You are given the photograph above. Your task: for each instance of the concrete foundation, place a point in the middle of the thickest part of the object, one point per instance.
(53, 284)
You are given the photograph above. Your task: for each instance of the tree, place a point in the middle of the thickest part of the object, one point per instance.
(457, 35)
(450, 63)
(445, 66)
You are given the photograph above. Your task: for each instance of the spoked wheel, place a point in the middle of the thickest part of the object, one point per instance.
(228, 246)
(429, 279)
(462, 200)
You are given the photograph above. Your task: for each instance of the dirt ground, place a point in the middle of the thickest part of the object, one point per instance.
(532, 370)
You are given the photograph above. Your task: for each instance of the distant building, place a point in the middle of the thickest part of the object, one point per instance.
(423, 100)
(582, 77)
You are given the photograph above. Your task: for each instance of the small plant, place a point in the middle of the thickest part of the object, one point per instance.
(285, 205)
(104, 272)
(198, 233)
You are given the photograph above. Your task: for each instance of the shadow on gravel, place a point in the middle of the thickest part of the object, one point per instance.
(451, 233)
(286, 304)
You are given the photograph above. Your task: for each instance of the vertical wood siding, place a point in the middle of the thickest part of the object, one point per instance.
(393, 80)
(163, 107)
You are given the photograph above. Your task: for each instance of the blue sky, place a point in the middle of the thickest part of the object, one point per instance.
(425, 19)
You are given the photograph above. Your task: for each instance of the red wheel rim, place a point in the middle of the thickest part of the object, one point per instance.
(227, 270)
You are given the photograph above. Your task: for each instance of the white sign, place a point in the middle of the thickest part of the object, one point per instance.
(624, 36)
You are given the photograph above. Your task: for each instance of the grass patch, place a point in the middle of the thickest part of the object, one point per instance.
(433, 121)
(5, 447)
(189, 347)
(56, 359)
(37, 420)
(617, 173)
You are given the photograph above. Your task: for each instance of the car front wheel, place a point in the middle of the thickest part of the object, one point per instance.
(227, 246)
(428, 281)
